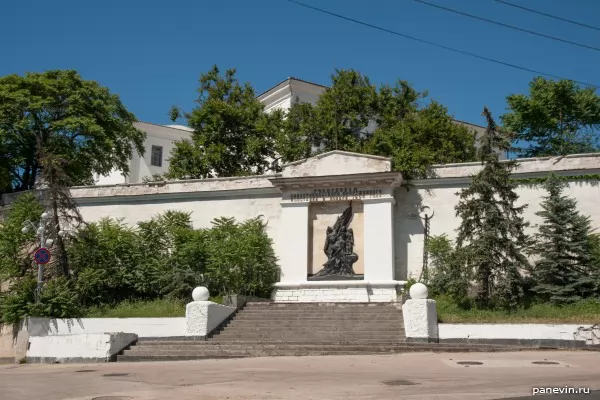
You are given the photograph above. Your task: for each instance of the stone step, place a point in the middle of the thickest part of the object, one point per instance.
(312, 328)
(272, 304)
(306, 352)
(250, 342)
(317, 317)
(358, 325)
(310, 338)
(365, 310)
(255, 346)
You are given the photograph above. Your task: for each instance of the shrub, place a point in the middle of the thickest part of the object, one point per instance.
(240, 258)
(447, 275)
(14, 259)
(107, 259)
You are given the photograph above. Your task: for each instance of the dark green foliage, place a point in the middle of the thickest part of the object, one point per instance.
(447, 275)
(423, 137)
(352, 115)
(58, 300)
(240, 258)
(108, 261)
(344, 111)
(14, 245)
(565, 271)
(112, 263)
(73, 119)
(232, 134)
(556, 118)
(491, 234)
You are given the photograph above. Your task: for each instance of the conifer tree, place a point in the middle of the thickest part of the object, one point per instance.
(564, 272)
(491, 235)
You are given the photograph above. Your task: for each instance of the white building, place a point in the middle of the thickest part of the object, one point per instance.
(160, 139)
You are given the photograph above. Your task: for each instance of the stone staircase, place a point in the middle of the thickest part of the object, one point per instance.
(297, 329)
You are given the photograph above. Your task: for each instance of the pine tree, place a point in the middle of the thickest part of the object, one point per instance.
(564, 272)
(491, 235)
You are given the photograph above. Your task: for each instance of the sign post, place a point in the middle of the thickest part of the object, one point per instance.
(42, 255)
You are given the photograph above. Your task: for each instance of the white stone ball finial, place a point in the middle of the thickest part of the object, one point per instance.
(200, 294)
(418, 291)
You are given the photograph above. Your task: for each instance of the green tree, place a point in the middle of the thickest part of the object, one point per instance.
(556, 118)
(233, 136)
(564, 272)
(15, 260)
(344, 111)
(71, 118)
(352, 115)
(420, 138)
(491, 234)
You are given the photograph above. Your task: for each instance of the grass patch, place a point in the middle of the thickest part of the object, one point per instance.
(587, 312)
(160, 308)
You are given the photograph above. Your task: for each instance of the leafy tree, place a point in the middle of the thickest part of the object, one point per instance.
(233, 136)
(556, 118)
(353, 115)
(344, 111)
(491, 234)
(564, 272)
(300, 134)
(15, 260)
(62, 114)
(421, 138)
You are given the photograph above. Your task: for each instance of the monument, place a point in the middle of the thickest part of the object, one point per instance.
(338, 243)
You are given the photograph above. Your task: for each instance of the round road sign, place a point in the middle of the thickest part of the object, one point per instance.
(42, 255)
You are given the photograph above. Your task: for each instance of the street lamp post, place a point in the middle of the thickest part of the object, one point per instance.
(426, 213)
(40, 231)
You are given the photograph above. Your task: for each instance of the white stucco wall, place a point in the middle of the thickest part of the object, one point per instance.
(510, 331)
(440, 194)
(92, 347)
(143, 327)
(250, 197)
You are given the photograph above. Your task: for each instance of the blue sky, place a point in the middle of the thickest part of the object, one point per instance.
(152, 52)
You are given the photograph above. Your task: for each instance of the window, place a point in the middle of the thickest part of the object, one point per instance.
(156, 156)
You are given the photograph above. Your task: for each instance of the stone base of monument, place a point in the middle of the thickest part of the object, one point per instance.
(314, 278)
(336, 291)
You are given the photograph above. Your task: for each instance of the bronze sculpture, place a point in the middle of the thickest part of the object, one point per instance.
(339, 248)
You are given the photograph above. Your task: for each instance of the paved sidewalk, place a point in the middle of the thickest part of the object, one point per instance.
(404, 376)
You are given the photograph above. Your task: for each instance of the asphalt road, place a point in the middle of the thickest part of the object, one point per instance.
(416, 376)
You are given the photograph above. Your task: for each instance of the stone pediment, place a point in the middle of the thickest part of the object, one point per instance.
(337, 163)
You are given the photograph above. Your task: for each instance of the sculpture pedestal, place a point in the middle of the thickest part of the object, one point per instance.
(335, 291)
(420, 320)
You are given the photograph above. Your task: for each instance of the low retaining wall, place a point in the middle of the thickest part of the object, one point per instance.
(539, 334)
(142, 327)
(94, 347)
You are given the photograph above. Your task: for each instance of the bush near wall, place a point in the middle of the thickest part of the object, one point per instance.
(163, 258)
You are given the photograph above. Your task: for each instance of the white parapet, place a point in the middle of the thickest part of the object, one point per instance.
(420, 316)
(203, 316)
(78, 348)
(337, 291)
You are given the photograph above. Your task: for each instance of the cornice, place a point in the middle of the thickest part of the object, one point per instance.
(374, 179)
(526, 175)
(160, 197)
